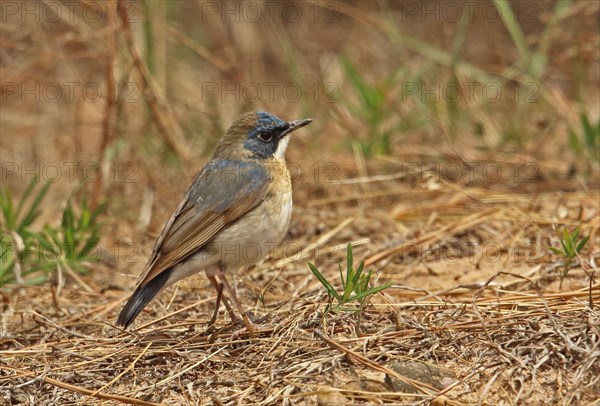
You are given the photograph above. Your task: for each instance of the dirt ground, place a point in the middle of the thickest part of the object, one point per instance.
(487, 318)
(457, 209)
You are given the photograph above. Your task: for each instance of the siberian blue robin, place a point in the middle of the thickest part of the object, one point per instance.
(237, 209)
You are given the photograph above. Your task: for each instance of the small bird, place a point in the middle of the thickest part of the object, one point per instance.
(236, 211)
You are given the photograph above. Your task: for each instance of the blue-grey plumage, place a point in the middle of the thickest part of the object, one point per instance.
(236, 211)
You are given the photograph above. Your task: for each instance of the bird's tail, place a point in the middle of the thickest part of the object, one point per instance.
(140, 298)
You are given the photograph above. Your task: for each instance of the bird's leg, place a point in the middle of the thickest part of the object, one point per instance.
(219, 288)
(245, 319)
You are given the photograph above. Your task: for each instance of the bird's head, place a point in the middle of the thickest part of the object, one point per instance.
(257, 135)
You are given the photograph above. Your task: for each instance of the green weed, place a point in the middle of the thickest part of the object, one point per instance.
(570, 247)
(373, 108)
(355, 285)
(588, 140)
(17, 240)
(29, 256)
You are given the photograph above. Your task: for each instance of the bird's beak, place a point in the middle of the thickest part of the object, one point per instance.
(294, 125)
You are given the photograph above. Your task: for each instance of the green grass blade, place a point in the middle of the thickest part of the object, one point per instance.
(96, 212)
(575, 235)
(461, 35)
(511, 24)
(32, 212)
(7, 209)
(574, 142)
(87, 248)
(370, 97)
(582, 243)
(363, 283)
(68, 223)
(54, 238)
(6, 249)
(358, 272)
(323, 281)
(591, 134)
(349, 263)
(341, 275)
(86, 215)
(369, 292)
(25, 196)
(556, 251)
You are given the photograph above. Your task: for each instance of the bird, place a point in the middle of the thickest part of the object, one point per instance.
(236, 211)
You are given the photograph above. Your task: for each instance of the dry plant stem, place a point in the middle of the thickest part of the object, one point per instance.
(197, 48)
(19, 246)
(591, 297)
(183, 371)
(423, 387)
(322, 240)
(167, 316)
(162, 114)
(108, 123)
(514, 321)
(433, 237)
(116, 378)
(84, 391)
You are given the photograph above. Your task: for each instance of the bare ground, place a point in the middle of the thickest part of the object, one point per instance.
(475, 298)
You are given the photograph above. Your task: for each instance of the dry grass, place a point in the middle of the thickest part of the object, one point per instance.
(475, 291)
(499, 325)
(502, 345)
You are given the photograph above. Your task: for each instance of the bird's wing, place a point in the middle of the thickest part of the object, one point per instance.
(221, 193)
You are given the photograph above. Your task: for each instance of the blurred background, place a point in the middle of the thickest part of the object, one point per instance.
(122, 105)
(122, 102)
(503, 76)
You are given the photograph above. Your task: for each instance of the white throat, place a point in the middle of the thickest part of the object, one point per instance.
(281, 147)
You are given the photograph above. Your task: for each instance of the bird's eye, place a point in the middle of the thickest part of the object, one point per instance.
(265, 136)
